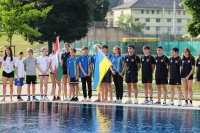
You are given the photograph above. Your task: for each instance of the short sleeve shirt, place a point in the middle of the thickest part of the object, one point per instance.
(30, 65)
(8, 64)
(131, 63)
(175, 64)
(161, 66)
(117, 62)
(72, 64)
(43, 63)
(85, 61)
(147, 62)
(20, 67)
(64, 57)
(187, 64)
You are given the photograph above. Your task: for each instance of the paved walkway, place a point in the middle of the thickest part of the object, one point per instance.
(24, 96)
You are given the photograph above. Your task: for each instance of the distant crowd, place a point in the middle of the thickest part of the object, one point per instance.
(179, 70)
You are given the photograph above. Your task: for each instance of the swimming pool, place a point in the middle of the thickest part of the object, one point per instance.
(68, 117)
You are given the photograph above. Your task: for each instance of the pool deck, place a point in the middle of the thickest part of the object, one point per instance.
(140, 100)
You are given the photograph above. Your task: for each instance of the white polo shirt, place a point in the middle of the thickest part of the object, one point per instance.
(20, 67)
(8, 64)
(43, 63)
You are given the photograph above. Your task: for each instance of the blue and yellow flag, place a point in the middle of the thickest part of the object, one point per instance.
(102, 65)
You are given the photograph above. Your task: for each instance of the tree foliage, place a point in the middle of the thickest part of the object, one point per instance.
(126, 22)
(14, 18)
(99, 9)
(193, 8)
(68, 19)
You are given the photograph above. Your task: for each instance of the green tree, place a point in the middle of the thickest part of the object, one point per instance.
(193, 7)
(68, 19)
(14, 18)
(126, 22)
(99, 9)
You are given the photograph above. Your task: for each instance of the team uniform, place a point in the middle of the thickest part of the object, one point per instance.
(8, 67)
(147, 62)
(107, 77)
(187, 64)
(64, 58)
(30, 66)
(72, 70)
(118, 80)
(132, 68)
(161, 73)
(43, 63)
(85, 62)
(20, 67)
(198, 65)
(175, 75)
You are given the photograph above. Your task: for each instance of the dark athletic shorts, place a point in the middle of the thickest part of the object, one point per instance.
(73, 81)
(175, 81)
(190, 78)
(146, 80)
(8, 75)
(64, 72)
(107, 78)
(161, 81)
(31, 79)
(131, 79)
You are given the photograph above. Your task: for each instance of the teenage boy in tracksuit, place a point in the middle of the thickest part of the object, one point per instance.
(148, 65)
(85, 65)
(132, 65)
(161, 74)
(175, 76)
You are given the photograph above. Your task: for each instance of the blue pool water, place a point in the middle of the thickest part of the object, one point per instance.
(80, 118)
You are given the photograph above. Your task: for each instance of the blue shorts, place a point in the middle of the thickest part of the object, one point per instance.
(19, 83)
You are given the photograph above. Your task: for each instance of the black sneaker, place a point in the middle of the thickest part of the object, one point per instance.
(19, 99)
(76, 99)
(73, 99)
(157, 103)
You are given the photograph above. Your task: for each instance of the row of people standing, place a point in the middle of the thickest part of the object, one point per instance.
(179, 68)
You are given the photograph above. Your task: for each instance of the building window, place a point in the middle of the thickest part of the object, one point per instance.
(184, 12)
(147, 11)
(136, 12)
(152, 11)
(179, 28)
(121, 13)
(179, 12)
(157, 28)
(169, 12)
(147, 19)
(169, 20)
(137, 19)
(178, 20)
(158, 20)
(147, 28)
(158, 12)
(169, 28)
(142, 11)
(188, 20)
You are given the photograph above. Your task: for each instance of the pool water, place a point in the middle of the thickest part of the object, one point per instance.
(82, 118)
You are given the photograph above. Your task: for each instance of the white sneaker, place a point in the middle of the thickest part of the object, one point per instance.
(119, 101)
(46, 98)
(189, 105)
(41, 98)
(115, 101)
(179, 103)
(185, 104)
(129, 101)
(170, 103)
(145, 102)
(150, 102)
(135, 101)
(67, 99)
